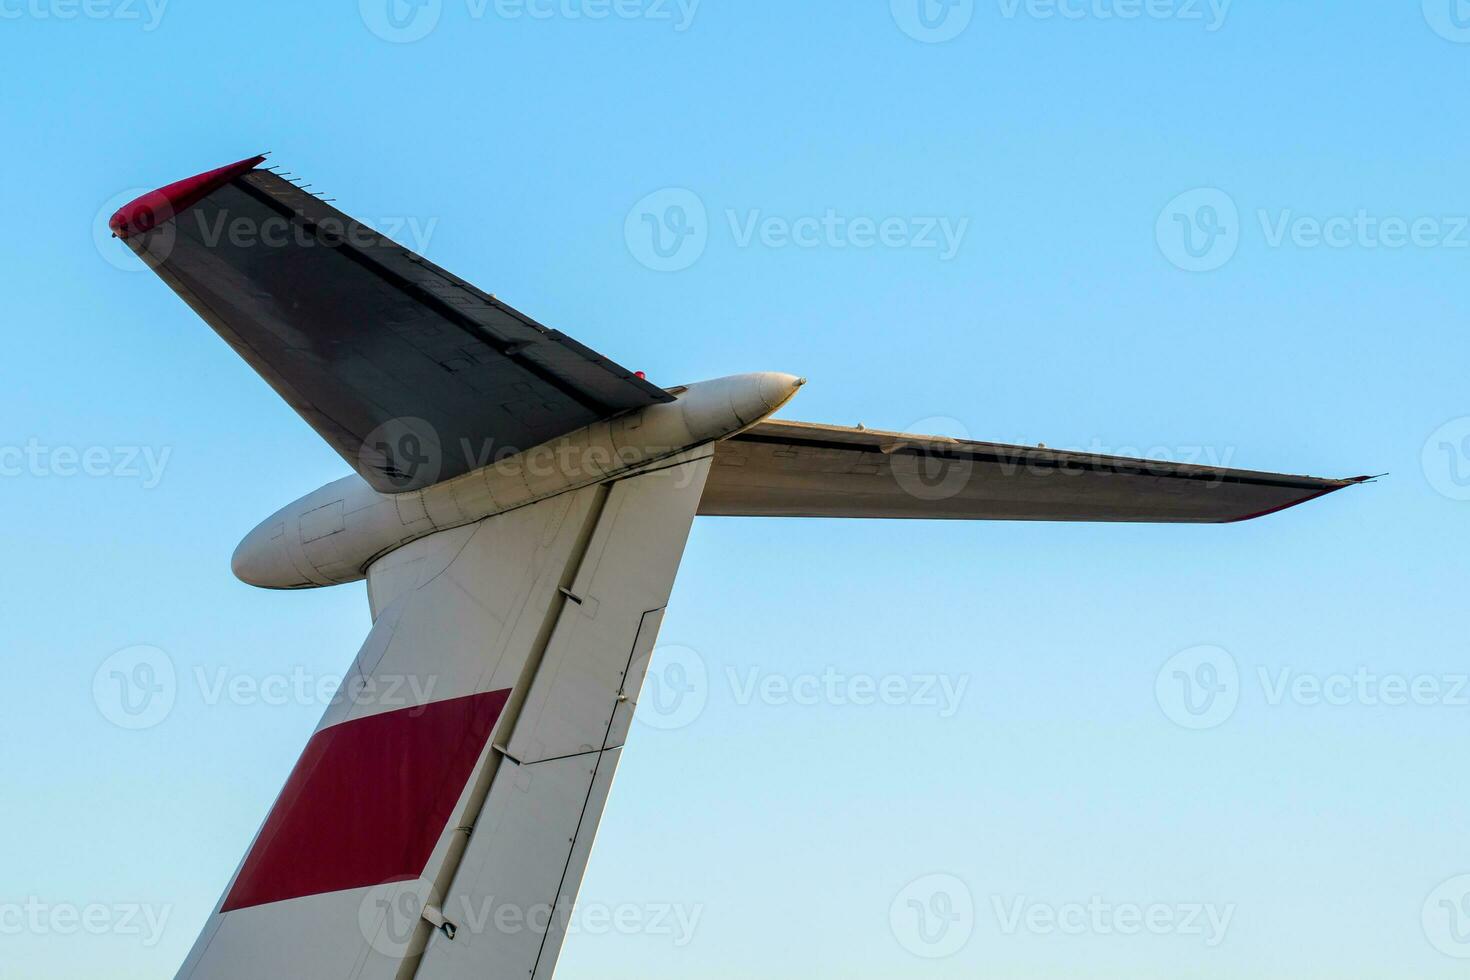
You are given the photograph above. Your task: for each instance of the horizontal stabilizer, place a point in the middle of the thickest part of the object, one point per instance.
(798, 469)
(410, 373)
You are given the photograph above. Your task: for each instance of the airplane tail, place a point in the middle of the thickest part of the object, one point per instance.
(465, 763)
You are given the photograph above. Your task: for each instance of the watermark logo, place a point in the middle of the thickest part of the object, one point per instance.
(395, 916)
(668, 230)
(303, 688)
(39, 461)
(279, 231)
(933, 21)
(162, 234)
(835, 230)
(132, 920)
(934, 467)
(401, 21)
(679, 13)
(136, 687)
(933, 917)
(405, 451)
(147, 13)
(1210, 13)
(1199, 688)
(928, 473)
(1363, 230)
(679, 685)
(1199, 231)
(1098, 917)
(389, 916)
(156, 223)
(836, 688)
(675, 690)
(1450, 19)
(1446, 459)
(1363, 688)
(406, 21)
(1446, 917)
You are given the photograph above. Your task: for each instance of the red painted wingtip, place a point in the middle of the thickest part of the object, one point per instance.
(1340, 485)
(156, 207)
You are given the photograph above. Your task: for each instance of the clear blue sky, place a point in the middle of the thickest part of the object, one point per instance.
(1329, 835)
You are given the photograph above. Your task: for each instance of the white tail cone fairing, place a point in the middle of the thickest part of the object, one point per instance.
(329, 537)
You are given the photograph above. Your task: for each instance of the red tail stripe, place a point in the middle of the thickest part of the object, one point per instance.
(367, 801)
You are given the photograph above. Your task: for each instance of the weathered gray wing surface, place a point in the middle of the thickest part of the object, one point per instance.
(797, 469)
(410, 373)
